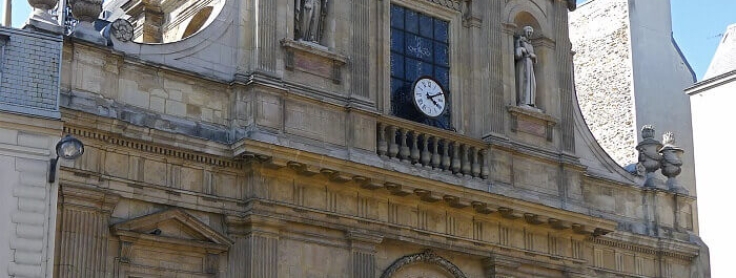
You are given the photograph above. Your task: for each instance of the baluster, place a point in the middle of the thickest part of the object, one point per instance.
(484, 171)
(436, 158)
(445, 155)
(456, 158)
(465, 158)
(414, 148)
(403, 147)
(393, 148)
(382, 145)
(425, 150)
(476, 165)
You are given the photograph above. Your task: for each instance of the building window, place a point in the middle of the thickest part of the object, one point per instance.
(419, 47)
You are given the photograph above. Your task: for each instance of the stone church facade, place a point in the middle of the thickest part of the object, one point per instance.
(284, 139)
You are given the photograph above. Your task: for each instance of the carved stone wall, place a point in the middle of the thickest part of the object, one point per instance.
(603, 75)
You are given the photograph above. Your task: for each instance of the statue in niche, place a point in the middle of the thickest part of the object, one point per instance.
(526, 83)
(309, 19)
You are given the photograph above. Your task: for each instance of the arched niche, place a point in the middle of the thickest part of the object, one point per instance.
(425, 264)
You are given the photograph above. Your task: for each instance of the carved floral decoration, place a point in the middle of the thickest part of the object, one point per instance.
(428, 257)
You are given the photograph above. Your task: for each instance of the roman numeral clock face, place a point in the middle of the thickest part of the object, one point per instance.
(429, 97)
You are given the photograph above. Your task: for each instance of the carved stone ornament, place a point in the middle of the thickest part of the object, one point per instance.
(427, 257)
(122, 30)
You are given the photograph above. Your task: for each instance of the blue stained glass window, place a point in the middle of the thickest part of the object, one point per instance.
(397, 65)
(441, 54)
(397, 41)
(419, 47)
(398, 20)
(440, 30)
(412, 21)
(416, 69)
(425, 26)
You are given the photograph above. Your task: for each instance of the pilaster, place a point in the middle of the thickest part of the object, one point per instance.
(359, 68)
(268, 44)
(500, 267)
(563, 58)
(255, 252)
(496, 48)
(85, 213)
(363, 253)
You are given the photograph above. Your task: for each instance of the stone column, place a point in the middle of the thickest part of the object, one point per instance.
(85, 213)
(363, 253)
(255, 252)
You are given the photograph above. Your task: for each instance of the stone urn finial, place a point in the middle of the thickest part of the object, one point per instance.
(87, 11)
(672, 162)
(41, 19)
(649, 157)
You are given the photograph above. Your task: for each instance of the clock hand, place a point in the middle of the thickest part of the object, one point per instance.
(433, 96)
(432, 99)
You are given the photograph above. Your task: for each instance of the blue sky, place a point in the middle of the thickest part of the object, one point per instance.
(697, 26)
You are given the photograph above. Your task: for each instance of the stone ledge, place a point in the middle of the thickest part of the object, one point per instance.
(314, 59)
(532, 121)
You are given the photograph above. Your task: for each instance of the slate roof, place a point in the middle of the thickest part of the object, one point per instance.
(725, 58)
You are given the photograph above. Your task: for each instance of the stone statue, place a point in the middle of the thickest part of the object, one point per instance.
(526, 83)
(309, 19)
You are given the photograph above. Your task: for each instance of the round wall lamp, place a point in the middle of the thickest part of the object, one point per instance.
(68, 148)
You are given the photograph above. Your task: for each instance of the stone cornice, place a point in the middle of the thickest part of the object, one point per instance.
(649, 245)
(277, 158)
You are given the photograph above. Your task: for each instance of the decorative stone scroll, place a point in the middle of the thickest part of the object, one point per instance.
(428, 257)
(314, 59)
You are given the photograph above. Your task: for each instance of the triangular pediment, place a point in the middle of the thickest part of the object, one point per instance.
(174, 225)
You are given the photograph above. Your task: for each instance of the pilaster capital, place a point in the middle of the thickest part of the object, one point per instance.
(252, 224)
(501, 266)
(88, 198)
(363, 241)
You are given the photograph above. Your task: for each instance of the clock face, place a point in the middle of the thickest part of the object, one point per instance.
(429, 97)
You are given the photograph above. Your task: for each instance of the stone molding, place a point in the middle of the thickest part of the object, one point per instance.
(532, 121)
(429, 257)
(87, 198)
(364, 241)
(653, 246)
(132, 231)
(314, 59)
(151, 148)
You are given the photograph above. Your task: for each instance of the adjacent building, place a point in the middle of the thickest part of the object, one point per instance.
(347, 139)
(711, 101)
(30, 127)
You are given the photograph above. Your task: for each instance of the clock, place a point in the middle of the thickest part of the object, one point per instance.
(429, 97)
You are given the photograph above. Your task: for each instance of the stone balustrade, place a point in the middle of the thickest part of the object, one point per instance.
(432, 148)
